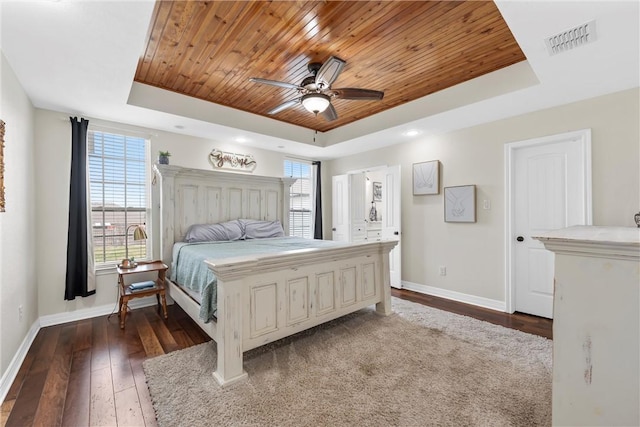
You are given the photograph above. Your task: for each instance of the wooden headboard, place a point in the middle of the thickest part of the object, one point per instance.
(197, 196)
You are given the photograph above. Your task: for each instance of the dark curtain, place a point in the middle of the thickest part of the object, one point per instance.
(76, 280)
(317, 233)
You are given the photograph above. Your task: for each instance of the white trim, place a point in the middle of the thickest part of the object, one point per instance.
(455, 296)
(88, 313)
(97, 126)
(12, 370)
(508, 224)
(56, 319)
(370, 169)
(585, 136)
(298, 159)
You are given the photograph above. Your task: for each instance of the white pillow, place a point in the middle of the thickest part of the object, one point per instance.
(256, 229)
(223, 231)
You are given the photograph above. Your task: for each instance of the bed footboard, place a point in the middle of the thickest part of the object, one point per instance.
(266, 298)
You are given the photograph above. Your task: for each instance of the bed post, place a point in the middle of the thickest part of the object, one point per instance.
(230, 328)
(285, 203)
(229, 368)
(166, 178)
(384, 306)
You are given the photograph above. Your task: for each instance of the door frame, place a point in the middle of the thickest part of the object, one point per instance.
(584, 136)
(397, 251)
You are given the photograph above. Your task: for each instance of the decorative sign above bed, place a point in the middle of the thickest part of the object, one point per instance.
(224, 160)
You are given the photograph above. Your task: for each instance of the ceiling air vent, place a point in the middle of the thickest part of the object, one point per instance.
(572, 38)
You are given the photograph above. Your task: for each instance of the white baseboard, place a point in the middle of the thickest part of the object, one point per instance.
(455, 296)
(12, 370)
(56, 319)
(72, 316)
(88, 313)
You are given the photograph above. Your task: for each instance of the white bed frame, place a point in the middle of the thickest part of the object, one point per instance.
(265, 298)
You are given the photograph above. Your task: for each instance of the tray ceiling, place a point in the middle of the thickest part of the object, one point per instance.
(209, 50)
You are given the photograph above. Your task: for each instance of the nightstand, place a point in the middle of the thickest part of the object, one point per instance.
(127, 294)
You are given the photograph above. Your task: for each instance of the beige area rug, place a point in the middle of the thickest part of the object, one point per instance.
(417, 367)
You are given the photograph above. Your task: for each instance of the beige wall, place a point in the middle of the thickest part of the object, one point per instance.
(17, 234)
(474, 253)
(53, 160)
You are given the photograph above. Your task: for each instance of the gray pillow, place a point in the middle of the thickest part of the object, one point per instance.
(256, 229)
(222, 231)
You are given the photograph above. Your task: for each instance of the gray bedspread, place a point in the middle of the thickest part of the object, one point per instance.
(189, 270)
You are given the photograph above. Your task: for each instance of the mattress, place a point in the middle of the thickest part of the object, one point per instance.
(189, 270)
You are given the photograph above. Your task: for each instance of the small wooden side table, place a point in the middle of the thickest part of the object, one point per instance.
(127, 294)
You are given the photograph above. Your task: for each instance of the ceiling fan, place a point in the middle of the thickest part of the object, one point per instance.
(316, 89)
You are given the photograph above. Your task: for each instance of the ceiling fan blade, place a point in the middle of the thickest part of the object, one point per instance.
(358, 94)
(274, 83)
(285, 105)
(330, 114)
(329, 72)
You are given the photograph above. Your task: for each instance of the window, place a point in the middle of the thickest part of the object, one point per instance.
(301, 201)
(118, 194)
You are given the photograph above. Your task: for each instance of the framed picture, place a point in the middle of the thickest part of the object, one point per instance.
(426, 178)
(377, 191)
(460, 203)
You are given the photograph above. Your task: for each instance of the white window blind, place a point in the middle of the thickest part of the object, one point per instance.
(301, 203)
(117, 166)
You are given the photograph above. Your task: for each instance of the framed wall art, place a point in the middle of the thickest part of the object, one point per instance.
(377, 191)
(426, 178)
(460, 203)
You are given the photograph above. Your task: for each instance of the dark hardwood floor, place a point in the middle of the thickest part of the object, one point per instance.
(89, 372)
(520, 321)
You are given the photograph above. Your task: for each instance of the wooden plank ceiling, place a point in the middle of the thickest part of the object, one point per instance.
(408, 49)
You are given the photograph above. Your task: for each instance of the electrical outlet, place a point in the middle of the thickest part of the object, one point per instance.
(443, 270)
(20, 312)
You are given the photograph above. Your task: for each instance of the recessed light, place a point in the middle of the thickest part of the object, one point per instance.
(411, 132)
(241, 139)
(179, 127)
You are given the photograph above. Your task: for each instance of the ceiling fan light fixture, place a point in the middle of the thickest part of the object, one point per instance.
(315, 102)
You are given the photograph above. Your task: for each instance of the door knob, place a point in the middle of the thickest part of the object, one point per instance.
(395, 233)
(520, 239)
(333, 229)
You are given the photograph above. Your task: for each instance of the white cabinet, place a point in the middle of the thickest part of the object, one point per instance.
(358, 233)
(374, 233)
(596, 325)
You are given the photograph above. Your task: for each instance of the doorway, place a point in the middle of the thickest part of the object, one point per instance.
(547, 187)
(366, 207)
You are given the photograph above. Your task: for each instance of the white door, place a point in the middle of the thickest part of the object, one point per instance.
(340, 207)
(391, 220)
(357, 207)
(550, 189)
